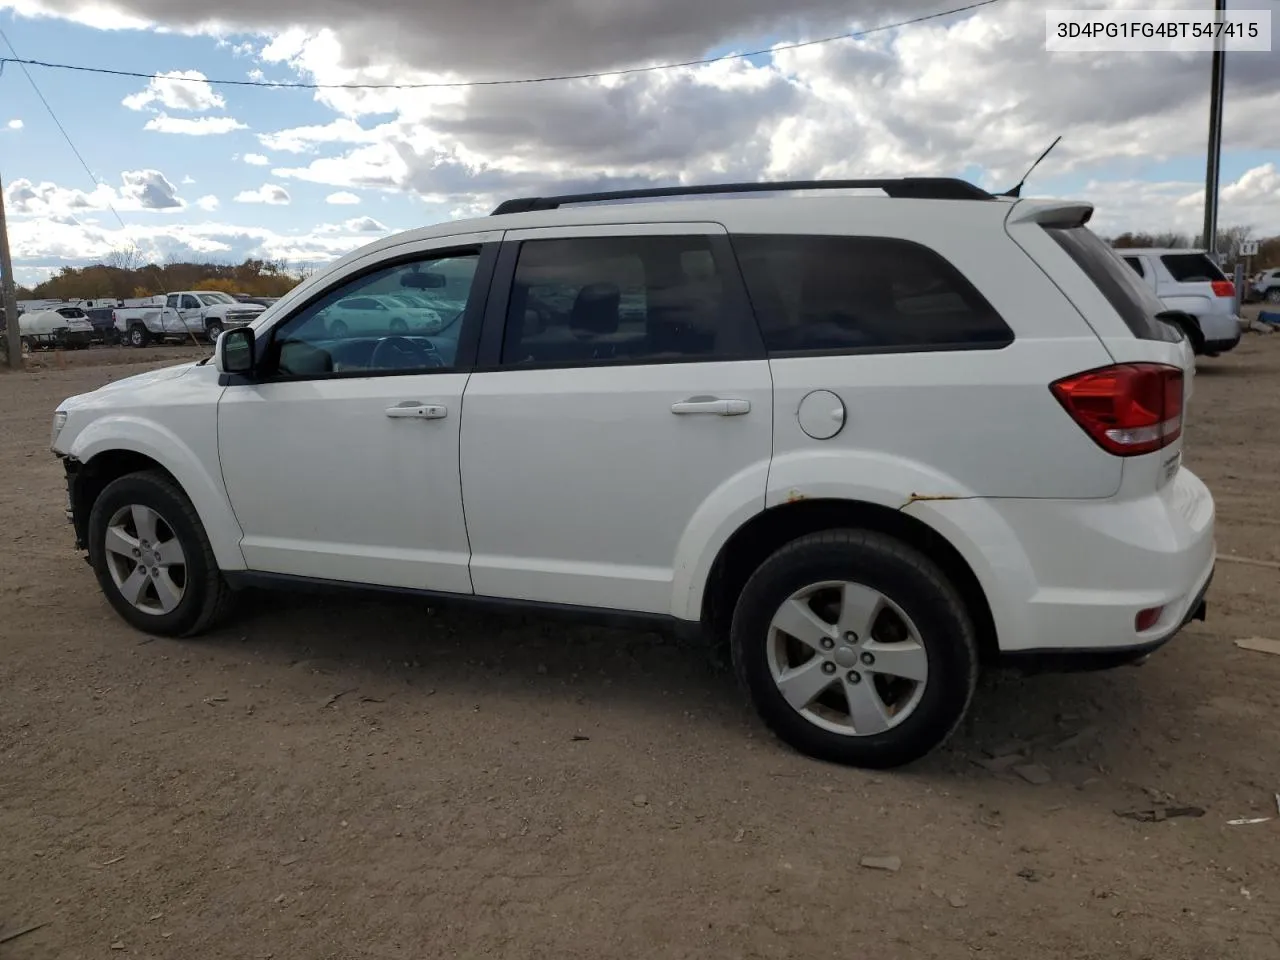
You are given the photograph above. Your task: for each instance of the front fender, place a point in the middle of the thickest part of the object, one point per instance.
(157, 442)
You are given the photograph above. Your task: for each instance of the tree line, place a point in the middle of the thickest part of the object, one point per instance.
(1230, 242)
(122, 277)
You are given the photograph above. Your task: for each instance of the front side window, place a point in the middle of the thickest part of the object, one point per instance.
(362, 326)
(190, 303)
(814, 294)
(651, 299)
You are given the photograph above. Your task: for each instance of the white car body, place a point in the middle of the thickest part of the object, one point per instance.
(1188, 280)
(573, 484)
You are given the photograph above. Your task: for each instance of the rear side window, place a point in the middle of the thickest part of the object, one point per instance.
(1132, 299)
(1136, 264)
(816, 294)
(1191, 268)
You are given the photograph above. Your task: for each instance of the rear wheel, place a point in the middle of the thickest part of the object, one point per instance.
(152, 557)
(1273, 295)
(138, 336)
(855, 649)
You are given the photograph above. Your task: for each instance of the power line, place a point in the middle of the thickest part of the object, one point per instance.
(58, 123)
(297, 85)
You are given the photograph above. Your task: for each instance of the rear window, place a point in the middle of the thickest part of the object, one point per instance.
(1131, 298)
(819, 294)
(1192, 268)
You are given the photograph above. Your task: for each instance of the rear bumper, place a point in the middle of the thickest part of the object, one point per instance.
(1069, 577)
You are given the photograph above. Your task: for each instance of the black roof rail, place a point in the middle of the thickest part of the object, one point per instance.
(917, 188)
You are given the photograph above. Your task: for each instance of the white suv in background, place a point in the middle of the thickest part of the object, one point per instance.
(873, 441)
(1188, 281)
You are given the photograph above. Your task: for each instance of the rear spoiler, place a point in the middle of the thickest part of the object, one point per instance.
(1051, 213)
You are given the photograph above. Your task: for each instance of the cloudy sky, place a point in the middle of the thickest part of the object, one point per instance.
(210, 171)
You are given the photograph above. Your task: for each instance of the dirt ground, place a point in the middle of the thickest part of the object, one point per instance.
(375, 778)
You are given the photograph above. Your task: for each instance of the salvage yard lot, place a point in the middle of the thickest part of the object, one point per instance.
(377, 778)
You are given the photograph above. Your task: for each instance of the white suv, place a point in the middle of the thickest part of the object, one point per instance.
(1188, 282)
(874, 441)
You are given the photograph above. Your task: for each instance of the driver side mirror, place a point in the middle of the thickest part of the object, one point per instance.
(233, 351)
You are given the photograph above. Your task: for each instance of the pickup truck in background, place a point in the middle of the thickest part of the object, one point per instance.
(188, 314)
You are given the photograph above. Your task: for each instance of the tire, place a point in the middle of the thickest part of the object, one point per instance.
(338, 330)
(1273, 295)
(213, 330)
(398, 326)
(27, 345)
(197, 595)
(138, 336)
(938, 645)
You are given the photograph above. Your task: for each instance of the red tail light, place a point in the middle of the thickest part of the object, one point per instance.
(1128, 408)
(1223, 288)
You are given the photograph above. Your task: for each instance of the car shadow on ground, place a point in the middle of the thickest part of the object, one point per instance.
(413, 650)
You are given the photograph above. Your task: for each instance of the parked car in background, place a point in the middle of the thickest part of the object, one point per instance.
(187, 314)
(250, 298)
(104, 324)
(1187, 281)
(1265, 286)
(66, 327)
(872, 441)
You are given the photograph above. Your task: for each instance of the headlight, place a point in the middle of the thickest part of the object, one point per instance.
(59, 421)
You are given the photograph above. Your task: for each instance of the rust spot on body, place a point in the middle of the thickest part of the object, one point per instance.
(794, 496)
(928, 496)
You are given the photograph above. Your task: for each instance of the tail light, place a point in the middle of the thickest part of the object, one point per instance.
(1128, 408)
(1223, 288)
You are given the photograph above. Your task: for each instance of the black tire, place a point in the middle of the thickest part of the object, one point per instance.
(206, 596)
(28, 345)
(213, 330)
(1273, 295)
(905, 577)
(338, 330)
(139, 336)
(398, 326)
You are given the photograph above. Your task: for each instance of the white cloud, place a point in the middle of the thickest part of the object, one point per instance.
(150, 189)
(188, 180)
(140, 191)
(177, 90)
(270, 193)
(195, 127)
(15, 124)
(364, 225)
(208, 202)
(342, 197)
(304, 139)
(255, 159)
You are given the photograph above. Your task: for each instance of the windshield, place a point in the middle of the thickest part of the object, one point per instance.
(209, 299)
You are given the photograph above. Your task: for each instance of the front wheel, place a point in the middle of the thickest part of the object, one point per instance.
(213, 330)
(855, 649)
(152, 557)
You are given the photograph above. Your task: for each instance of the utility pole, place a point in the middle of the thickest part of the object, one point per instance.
(1217, 76)
(8, 294)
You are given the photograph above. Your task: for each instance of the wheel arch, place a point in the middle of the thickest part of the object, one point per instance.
(767, 531)
(92, 466)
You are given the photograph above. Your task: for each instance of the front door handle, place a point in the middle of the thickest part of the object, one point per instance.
(715, 406)
(412, 410)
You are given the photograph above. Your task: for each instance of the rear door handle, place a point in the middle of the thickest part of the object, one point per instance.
(412, 410)
(715, 406)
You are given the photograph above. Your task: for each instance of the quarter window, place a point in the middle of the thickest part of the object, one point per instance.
(815, 294)
(619, 300)
(405, 318)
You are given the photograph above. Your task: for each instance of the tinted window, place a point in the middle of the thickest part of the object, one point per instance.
(348, 330)
(1130, 298)
(190, 303)
(618, 300)
(1136, 264)
(1191, 268)
(862, 293)
(71, 313)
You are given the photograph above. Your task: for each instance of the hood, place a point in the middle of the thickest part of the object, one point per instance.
(148, 378)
